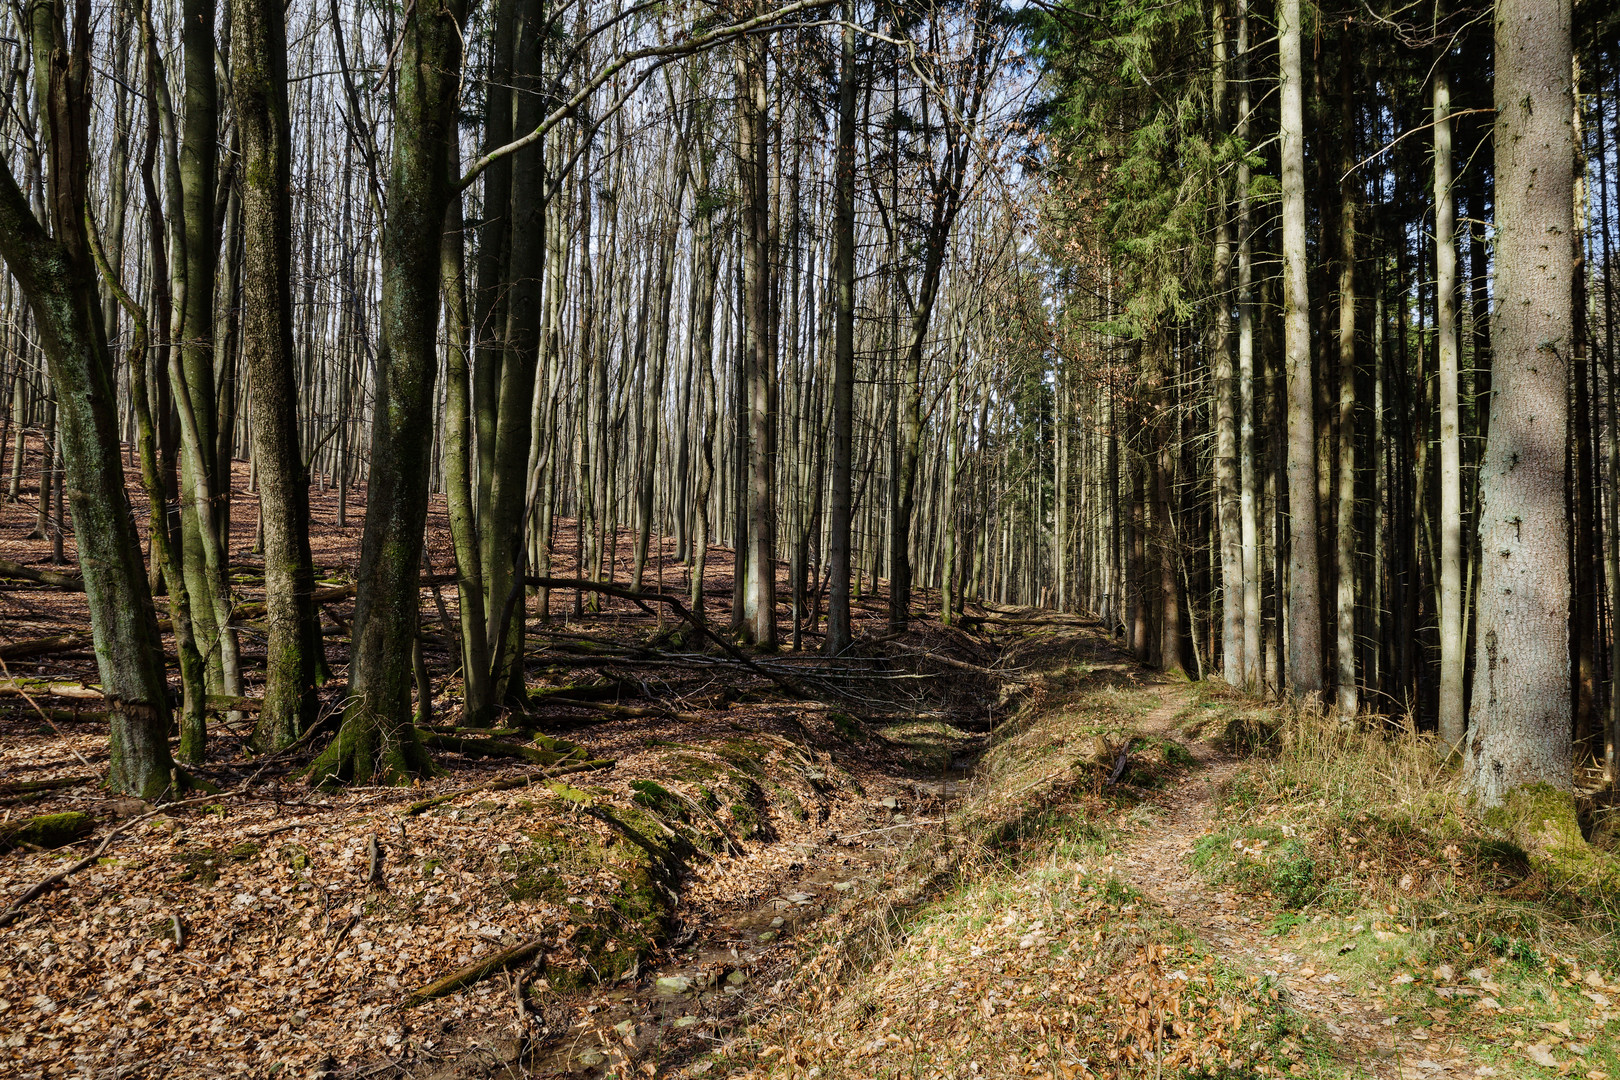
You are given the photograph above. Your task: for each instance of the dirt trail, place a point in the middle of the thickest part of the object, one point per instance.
(1154, 859)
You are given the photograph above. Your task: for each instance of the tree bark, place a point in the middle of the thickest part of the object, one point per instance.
(293, 654)
(1253, 678)
(1304, 593)
(1227, 486)
(56, 274)
(1345, 554)
(1519, 731)
(1451, 720)
(843, 390)
(377, 740)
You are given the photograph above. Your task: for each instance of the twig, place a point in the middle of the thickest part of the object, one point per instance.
(10, 914)
(697, 622)
(890, 828)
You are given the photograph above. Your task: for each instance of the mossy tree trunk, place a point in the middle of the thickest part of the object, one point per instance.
(511, 397)
(293, 657)
(56, 272)
(202, 545)
(377, 740)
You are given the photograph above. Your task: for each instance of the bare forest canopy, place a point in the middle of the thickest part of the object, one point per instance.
(1241, 326)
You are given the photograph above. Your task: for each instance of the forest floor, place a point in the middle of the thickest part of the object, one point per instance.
(996, 850)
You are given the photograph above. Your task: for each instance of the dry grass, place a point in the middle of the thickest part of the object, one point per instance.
(1360, 841)
(1015, 950)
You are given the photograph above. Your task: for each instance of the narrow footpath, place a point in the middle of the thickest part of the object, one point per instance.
(1155, 859)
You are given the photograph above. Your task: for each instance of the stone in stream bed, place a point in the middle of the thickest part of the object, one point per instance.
(674, 985)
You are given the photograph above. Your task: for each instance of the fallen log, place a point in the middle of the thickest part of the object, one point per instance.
(511, 782)
(46, 830)
(24, 687)
(20, 650)
(494, 748)
(218, 703)
(600, 691)
(70, 582)
(628, 711)
(29, 787)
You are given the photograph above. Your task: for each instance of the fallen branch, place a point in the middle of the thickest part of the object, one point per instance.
(70, 582)
(37, 890)
(961, 665)
(29, 787)
(890, 828)
(697, 623)
(81, 639)
(511, 782)
(474, 972)
(42, 789)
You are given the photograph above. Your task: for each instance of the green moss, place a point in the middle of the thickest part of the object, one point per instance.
(569, 792)
(297, 857)
(200, 867)
(847, 727)
(610, 939)
(744, 754)
(47, 830)
(745, 818)
(659, 799)
(1541, 819)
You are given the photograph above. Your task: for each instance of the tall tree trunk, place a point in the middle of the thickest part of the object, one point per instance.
(293, 656)
(459, 460)
(523, 297)
(759, 600)
(1253, 678)
(56, 273)
(207, 581)
(1167, 544)
(377, 740)
(1345, 554)
(1452, 643)
(1228, 489)
(843, 389)
(1519, 731)
(1304, 593)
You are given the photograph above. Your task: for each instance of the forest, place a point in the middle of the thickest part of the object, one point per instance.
(618, 538)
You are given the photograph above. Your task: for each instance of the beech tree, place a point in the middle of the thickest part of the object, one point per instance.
(53, 264)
